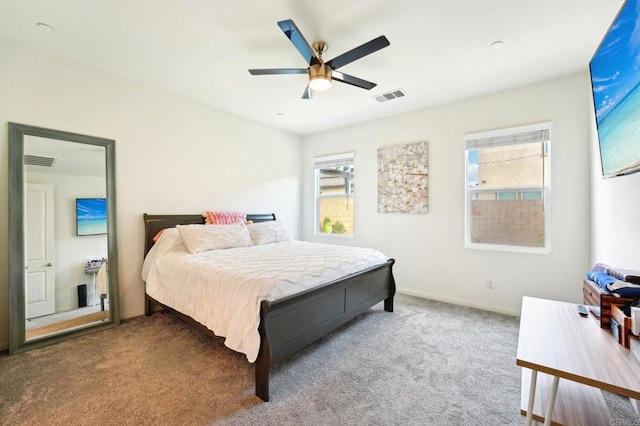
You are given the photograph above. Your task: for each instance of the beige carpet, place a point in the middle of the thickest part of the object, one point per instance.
(428, 363)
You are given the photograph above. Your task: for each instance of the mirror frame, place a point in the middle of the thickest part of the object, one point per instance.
(17, 320)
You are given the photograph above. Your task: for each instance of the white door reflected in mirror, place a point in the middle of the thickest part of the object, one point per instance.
(40, 251)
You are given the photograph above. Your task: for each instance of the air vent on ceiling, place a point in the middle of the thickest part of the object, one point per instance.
(394, 94)
(36, 160)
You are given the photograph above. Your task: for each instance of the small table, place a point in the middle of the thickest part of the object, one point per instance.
(555, 340)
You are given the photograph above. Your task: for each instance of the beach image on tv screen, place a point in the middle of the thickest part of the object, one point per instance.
(91, 216)
(615, 77)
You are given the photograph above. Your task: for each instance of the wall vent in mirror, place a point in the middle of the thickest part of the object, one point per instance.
(36, 160)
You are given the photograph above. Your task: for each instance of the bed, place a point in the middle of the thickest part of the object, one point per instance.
(290, 323)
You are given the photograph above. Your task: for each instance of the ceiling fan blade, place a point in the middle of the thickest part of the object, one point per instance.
(293, 33)
(270, 71)
(354, 81)
(359, 52)
(308, 93)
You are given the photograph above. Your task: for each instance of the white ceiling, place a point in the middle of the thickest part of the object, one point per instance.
(202, 49)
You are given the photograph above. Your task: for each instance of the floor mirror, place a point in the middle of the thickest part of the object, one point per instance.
(63, 260)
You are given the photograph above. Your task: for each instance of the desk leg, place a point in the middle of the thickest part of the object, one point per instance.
(532, 396)
(552, 401)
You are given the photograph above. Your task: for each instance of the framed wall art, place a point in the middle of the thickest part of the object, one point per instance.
(91, 216)
(403, 178)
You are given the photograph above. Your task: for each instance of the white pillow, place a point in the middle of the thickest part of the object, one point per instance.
(167, 239)
(271, 231)
(199, 238)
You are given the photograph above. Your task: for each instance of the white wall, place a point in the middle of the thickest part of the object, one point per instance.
(429, 249)
(615, 210)
(172, 155)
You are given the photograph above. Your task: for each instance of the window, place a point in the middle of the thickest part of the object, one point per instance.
(334, 194)
(507, 189)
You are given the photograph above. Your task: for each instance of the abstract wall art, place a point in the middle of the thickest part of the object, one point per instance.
(403, 178)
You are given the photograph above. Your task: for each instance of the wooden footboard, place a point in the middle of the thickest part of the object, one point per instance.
(289, 324)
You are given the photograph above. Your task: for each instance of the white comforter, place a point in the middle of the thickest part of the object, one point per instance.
(222, 289)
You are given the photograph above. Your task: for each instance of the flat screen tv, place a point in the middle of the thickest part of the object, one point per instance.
(91, 216)
(615, 78)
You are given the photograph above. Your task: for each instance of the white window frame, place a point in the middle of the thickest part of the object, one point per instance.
(505, 137)
(335, 160)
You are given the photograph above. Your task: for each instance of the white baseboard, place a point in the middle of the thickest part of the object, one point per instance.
(455, 301)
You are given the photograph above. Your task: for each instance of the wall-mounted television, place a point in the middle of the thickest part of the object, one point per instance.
(615, 78)
(91, 216)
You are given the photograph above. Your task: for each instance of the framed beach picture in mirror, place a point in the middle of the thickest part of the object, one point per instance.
(91, 216)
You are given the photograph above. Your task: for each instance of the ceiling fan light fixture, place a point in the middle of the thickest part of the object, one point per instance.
(319, 84)
(319, 77)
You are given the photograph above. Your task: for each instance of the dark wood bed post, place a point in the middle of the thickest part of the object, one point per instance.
(147, 305)
(263, 362)
(388, 302)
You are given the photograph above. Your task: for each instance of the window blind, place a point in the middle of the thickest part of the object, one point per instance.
(338, 160)
(509, 139)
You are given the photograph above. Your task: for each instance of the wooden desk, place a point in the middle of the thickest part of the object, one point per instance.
(555, 340)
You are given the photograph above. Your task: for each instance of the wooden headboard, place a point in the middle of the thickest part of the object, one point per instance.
(154, 223)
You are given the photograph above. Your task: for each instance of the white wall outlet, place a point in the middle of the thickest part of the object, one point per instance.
(490, 283)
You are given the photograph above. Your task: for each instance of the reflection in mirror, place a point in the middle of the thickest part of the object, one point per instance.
(63, 267)
(65, 195)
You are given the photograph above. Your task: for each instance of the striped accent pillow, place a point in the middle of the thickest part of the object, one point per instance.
(225, 218)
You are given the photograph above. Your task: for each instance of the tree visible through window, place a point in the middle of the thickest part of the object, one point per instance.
(334, 177)
(507, 191)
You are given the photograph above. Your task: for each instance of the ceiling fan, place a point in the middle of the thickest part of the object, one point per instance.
(322, 73)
